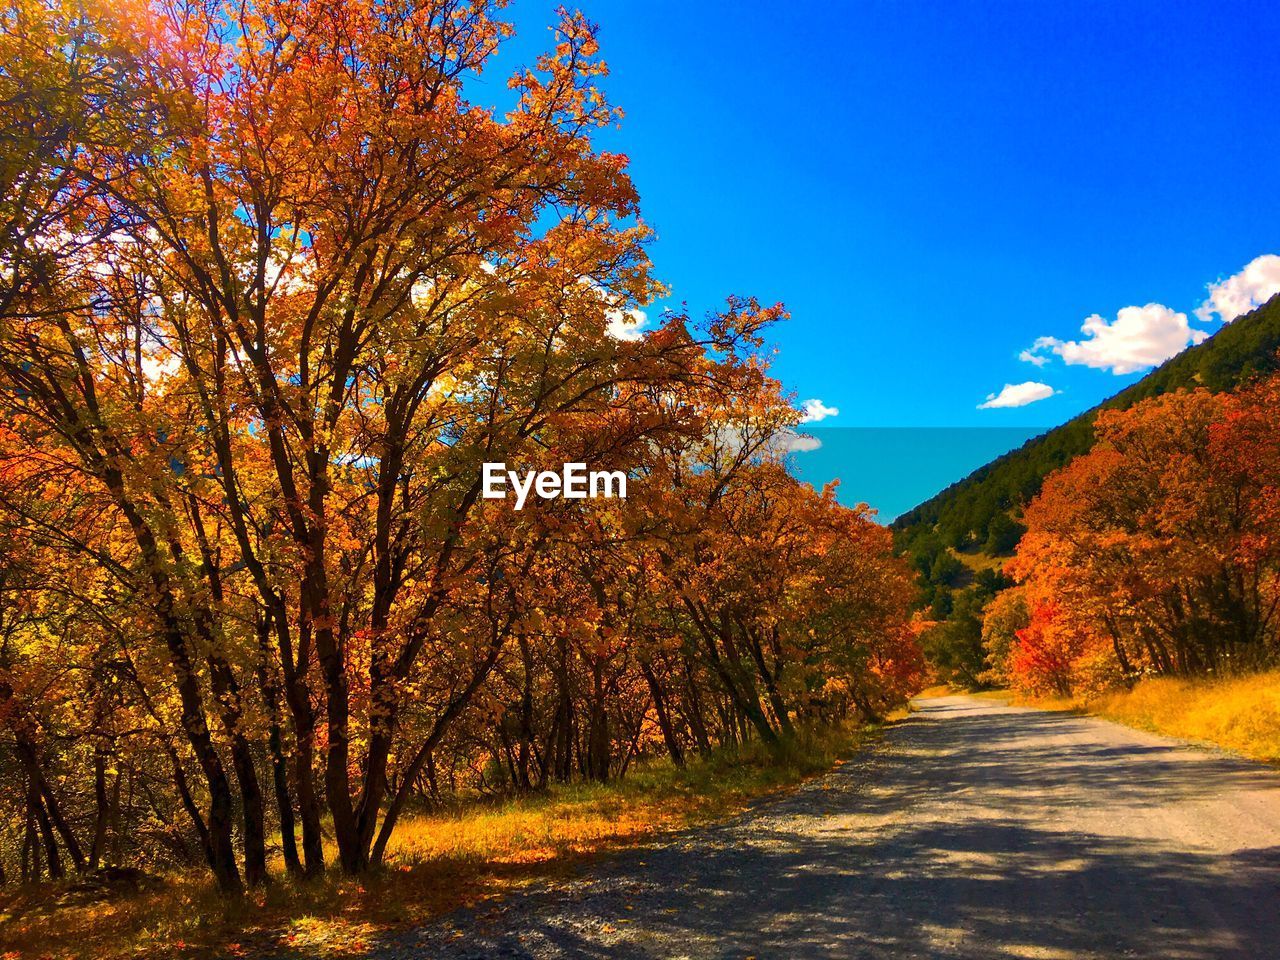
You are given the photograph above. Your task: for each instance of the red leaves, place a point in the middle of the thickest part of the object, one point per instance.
(1046, 651)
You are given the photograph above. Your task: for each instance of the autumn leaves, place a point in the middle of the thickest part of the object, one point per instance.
(1156, 553)
(270, 301)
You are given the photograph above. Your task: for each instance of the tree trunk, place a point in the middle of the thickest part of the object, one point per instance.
(46, 834)
(279, 766)
(49, 810)
(598, 743)
(102, 803)
(284, 805)
(693, 711)
(664, 717)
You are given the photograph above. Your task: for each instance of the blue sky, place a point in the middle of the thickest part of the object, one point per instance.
(931, 187)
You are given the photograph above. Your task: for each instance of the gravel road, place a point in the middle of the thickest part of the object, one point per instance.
(973, 830)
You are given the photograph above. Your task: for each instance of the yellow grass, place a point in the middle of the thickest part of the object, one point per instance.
(436, 863)
(937, 690)
(1241, 714)
(977, 561)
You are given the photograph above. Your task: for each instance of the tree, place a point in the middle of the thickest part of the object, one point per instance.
(954, 646)
(1003, 534)
(276, 290)
(1003, 617)
(1154, 552)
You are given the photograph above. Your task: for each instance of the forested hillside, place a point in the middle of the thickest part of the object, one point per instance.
(959, 541)
(962, 515)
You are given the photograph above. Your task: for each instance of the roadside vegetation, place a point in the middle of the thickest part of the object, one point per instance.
(465, 854)
(1241, 715)
(1156, 554)
(1128, 557)
(1145, 586)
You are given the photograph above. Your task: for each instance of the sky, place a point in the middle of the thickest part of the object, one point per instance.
(979, 214)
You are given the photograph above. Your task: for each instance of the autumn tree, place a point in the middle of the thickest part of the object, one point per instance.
(1002, 618)
(1156, 551)
(275, 289)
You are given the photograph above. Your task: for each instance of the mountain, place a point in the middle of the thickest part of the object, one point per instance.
(973, 514)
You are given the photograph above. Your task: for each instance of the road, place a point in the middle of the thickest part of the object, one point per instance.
(973, 830)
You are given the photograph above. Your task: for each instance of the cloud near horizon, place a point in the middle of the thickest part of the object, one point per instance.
(816, 410)
(1253, 286)
(1138, 338)
(1017, 395)
(799, 442)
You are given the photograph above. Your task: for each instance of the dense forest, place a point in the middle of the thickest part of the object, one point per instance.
(273, 291)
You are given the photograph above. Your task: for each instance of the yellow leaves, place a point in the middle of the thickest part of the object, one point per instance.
(330, 937)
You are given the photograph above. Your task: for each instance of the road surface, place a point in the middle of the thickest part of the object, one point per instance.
(973, 830)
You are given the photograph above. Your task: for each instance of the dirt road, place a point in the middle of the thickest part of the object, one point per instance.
(973, 830)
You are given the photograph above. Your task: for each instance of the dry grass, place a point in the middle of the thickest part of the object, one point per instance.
(937, 690)
(1241, 714)
(977, 561)
(436, 863)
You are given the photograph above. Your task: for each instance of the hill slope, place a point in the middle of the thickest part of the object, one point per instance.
(962, 515)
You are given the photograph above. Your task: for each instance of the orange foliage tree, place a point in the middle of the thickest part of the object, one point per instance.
(1157, 551)
(274, 291)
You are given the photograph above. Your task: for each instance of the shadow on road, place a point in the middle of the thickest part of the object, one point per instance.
(973, 833)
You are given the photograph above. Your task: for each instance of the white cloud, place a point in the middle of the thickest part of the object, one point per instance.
(799, 442)
(781, 442)
(1138, 338)
(815, 410)
(1253, 286)
(621, 322)
(1017, 395)
(159, 363)
(1028, 357)
(626, 324)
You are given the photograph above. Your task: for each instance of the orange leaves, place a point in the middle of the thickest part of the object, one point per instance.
(312, 289)
(1043, 658)
(1157, 550)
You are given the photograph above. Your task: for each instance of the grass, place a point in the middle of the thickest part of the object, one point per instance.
(977, 561)
(1240, 714)
(438, 862)
(937, 690)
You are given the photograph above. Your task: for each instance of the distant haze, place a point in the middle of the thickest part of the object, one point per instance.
(895, 468)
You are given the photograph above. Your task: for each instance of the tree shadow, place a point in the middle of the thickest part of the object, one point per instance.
(991, 862)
